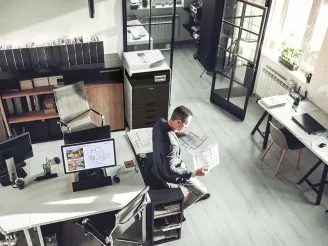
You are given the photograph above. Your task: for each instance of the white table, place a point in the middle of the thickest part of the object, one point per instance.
(137, 27)
(284, 116)
(53, 200)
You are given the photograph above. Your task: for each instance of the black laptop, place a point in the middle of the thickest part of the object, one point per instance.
(308, 124)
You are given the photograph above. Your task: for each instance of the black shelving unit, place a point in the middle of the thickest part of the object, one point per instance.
(188, 28)
(187, 10)
(164, 215)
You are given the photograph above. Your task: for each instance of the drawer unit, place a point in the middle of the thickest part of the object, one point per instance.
(148, 114)
(150, 96)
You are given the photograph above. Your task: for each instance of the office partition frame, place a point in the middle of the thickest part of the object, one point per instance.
(148, 13)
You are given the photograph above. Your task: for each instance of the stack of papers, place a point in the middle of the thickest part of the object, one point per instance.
(205, 151)
(273, 102)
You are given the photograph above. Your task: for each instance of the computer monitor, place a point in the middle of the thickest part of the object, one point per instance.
(13, 153)
(20, 148)
(97, 133)
(89, 155)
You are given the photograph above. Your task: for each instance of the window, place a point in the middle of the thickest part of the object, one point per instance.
(302, 24)
(314, 37)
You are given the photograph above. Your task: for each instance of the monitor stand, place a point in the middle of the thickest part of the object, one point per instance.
(4, 179)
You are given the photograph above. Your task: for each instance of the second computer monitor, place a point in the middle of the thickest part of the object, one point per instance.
(20, 148)
(89, 155)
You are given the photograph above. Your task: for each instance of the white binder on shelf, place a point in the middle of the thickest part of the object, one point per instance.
(25, 85)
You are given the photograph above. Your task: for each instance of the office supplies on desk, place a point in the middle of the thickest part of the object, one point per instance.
(308, 124)
(20, 183)
(273, 102)
(17, 149)
(47, 169)
(297, 94)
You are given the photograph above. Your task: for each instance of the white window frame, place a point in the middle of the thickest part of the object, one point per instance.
(311, 23)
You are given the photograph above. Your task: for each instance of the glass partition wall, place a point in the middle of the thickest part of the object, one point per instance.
(241, 36)
(151, 24)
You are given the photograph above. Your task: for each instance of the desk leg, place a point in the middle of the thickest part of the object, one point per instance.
(144, 226)
(310, 172)
(322, 185)
(267, 132)
(38, 228)
(28, 237)
(259, 122)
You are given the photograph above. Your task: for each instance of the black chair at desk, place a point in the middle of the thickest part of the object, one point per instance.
(98, 133)
(99, 225)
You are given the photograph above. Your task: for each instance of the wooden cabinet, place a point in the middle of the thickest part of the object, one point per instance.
(107, 99)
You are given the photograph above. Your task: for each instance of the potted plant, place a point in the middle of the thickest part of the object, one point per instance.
(289, 56)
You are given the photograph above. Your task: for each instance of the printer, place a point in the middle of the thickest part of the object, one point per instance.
(146, 88)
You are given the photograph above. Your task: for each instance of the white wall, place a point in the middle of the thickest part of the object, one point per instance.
(23, 21)
(318, 88)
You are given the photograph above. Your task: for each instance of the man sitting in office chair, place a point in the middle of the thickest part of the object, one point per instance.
(168, 165)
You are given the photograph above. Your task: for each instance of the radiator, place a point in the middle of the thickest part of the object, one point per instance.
(161, 27)
(271, 83)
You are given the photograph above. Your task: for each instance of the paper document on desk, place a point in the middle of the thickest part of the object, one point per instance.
(205, 151)
(274, 101)
(141, 140)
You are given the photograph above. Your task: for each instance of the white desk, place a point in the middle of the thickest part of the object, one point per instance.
(284, 116)
(53, 200)
(139, 29)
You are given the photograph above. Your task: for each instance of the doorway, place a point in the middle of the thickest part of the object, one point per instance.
(240, 42)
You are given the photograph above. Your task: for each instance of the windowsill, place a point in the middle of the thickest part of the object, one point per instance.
(273, 56)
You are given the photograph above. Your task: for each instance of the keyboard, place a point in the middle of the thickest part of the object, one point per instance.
(91, 184)
(4, 171)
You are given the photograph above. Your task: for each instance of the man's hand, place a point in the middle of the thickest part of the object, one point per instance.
(200, 172)
(180, 134)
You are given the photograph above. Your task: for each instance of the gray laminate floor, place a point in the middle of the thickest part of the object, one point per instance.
(248, 205)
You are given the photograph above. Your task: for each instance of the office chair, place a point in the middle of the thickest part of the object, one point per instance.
(123, 220)
(73, 108)
(7, 239)
(285, 140)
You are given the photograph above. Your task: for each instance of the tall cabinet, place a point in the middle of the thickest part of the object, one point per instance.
(107, 99)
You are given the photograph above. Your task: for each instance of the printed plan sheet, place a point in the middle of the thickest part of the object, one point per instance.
(141, 140)
(205, 152)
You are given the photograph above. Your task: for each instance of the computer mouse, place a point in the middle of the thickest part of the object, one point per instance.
(322, 145)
